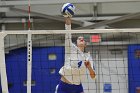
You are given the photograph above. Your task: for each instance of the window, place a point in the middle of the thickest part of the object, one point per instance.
(52, 56)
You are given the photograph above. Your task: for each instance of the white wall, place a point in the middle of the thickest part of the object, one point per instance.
(113, 69)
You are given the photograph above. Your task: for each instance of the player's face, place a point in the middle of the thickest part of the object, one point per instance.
(81, 42)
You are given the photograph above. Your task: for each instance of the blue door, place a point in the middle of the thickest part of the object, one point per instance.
(16, 67)
(133, 67)
(46, 63)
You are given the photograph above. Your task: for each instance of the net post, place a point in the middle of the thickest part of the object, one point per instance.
(29, 52)
(29, 62)
(3, 74)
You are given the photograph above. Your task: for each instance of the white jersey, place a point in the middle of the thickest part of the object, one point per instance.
(74, 69)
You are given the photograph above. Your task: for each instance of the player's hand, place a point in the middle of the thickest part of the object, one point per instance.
(66, 15)
(87, 64)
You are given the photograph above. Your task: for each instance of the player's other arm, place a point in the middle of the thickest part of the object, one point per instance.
(91, 71)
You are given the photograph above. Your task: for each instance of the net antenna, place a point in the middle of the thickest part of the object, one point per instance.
(29, 52)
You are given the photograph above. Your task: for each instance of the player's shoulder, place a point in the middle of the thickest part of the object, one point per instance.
(87, 54)
(74, 46)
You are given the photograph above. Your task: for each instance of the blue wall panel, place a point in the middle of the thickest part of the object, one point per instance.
(42, 68)
(16, 67)
(45, 81)
(133, 68)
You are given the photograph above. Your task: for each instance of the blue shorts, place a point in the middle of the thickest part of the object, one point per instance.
(63, 87)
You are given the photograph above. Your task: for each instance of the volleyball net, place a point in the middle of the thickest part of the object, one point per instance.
(115, 53)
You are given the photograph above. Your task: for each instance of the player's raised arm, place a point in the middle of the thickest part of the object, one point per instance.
(68, 11)
(68, 41)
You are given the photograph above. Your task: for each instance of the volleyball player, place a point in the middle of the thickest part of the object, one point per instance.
(73, 73)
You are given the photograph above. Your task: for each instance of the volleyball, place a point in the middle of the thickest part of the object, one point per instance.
(68, 10)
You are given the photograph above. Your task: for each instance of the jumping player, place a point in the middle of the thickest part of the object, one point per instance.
(76, 63)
